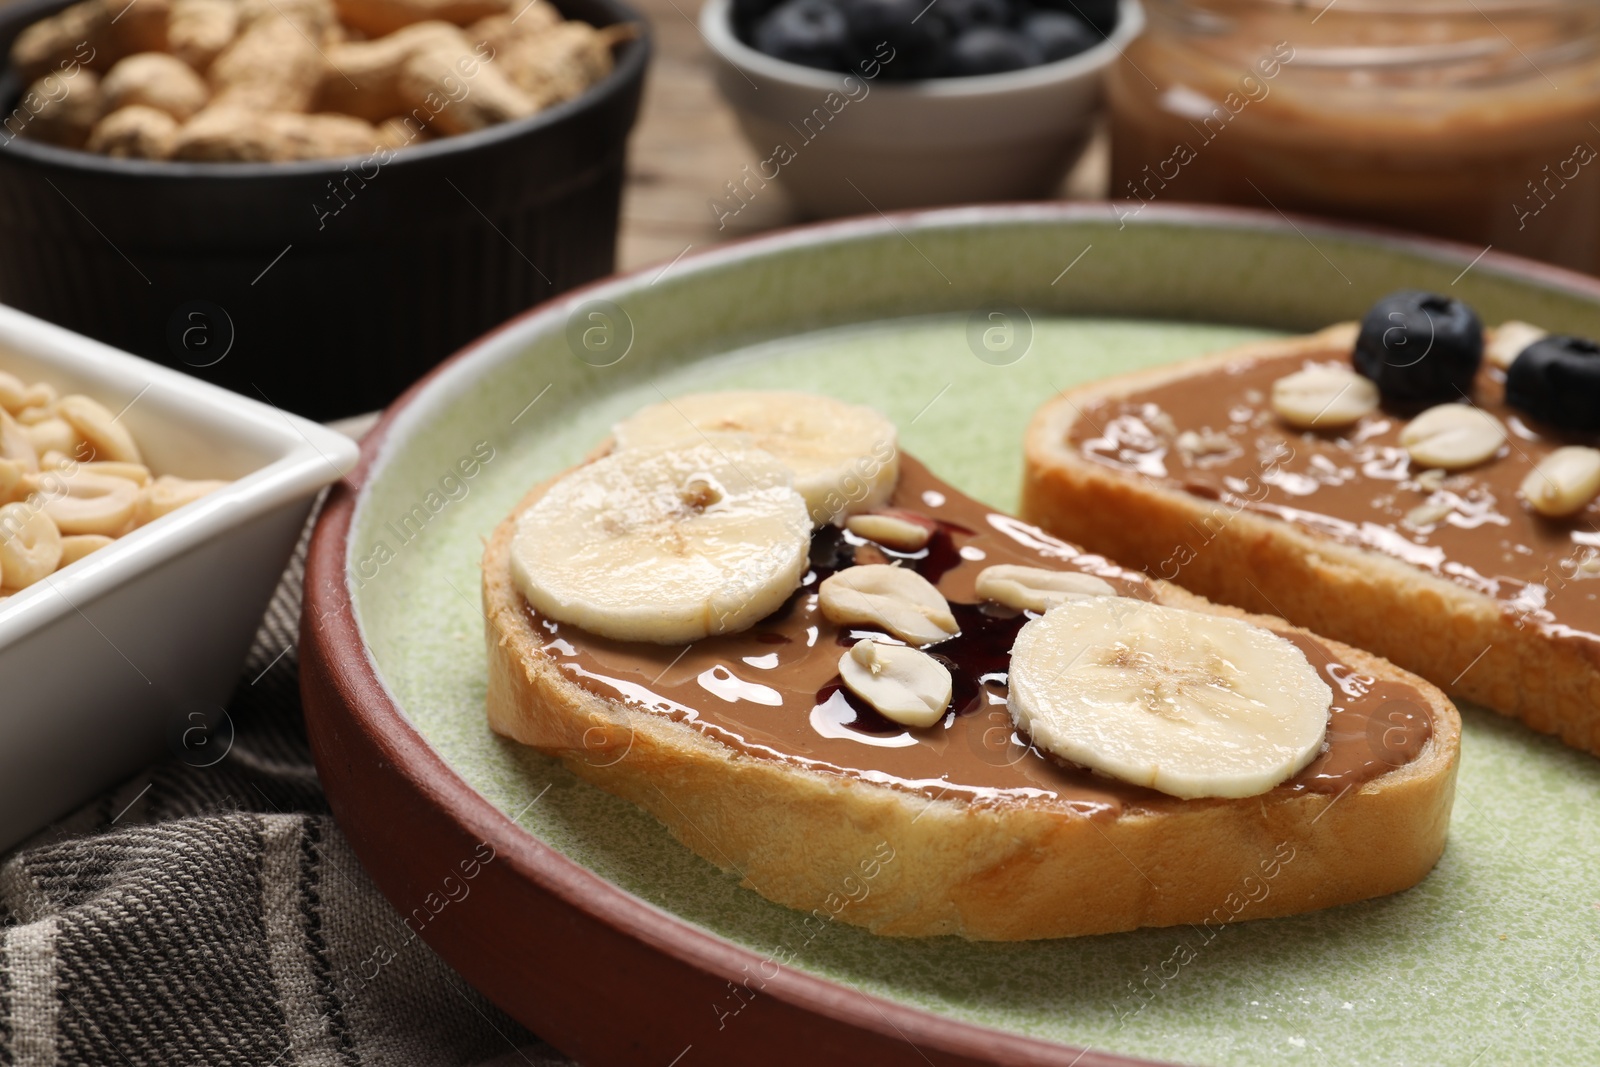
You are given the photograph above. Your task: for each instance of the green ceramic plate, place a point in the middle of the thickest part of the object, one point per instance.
(1489, 960)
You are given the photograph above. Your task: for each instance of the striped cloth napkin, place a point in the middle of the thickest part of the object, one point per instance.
(216, 915)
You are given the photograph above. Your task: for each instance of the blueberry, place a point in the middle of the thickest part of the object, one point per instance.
(916, 38)
(1420, 348)
(1059, 36)
(1556, 380)
(809, 32)
(963, 15)
(989, 50)
(1101, 15)
(747, 13)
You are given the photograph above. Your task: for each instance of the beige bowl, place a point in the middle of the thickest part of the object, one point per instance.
(843, 144)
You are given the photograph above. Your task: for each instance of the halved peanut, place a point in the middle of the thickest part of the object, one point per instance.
(109, 438)
(1037, 588)
(1198, 444)
(53, 435)
(1323, 398)
(1430, 513)
(1564, 481)
(894, 599)
(13, 394)
(168, 493)
(1453, 436)
(75, 546)
(15, 483)
(30, 546)
(905, 685)
(1432, 480)
(137, 473)
(16, 444)
(901, 531)
(90, 503)
(1507, 340)
(41, 395)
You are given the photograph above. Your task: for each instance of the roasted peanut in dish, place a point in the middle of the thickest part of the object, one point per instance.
(72, 480)
(274, 80)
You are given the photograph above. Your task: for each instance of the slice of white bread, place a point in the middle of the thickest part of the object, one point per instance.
(1456, 637)
(901, 863)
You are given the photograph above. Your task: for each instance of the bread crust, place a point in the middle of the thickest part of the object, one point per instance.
(1015, 870)
(1455, 637)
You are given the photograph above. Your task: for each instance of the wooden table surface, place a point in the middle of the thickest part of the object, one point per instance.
(687, 144)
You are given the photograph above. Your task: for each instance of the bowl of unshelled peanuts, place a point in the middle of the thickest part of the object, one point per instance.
(862, 105)
(310, 201)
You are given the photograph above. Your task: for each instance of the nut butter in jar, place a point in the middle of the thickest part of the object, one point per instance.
(1477, 120)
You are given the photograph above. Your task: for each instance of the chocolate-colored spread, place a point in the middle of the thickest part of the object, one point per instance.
(773, 691)
(1361, 488)
(1422, 116)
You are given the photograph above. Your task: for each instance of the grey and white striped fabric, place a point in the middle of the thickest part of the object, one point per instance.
(215, 915)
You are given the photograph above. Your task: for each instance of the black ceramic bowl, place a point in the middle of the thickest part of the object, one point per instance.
(326, 287)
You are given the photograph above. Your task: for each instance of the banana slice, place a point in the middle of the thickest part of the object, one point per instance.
(1190, 704)
(666, 545)
(843, 456)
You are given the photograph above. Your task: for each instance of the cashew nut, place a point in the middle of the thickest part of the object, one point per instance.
(30, 546)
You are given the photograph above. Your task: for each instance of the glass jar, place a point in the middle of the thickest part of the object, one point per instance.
(1477, 120)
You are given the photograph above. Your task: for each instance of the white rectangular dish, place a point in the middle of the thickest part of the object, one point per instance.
(132, 652)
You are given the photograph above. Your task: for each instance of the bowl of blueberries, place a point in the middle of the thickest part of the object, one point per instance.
(862, 105)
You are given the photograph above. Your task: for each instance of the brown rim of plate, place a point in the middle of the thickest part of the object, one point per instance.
(648, 988)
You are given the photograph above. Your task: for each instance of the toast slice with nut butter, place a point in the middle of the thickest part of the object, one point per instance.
(875, 699)
(1414, 485)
